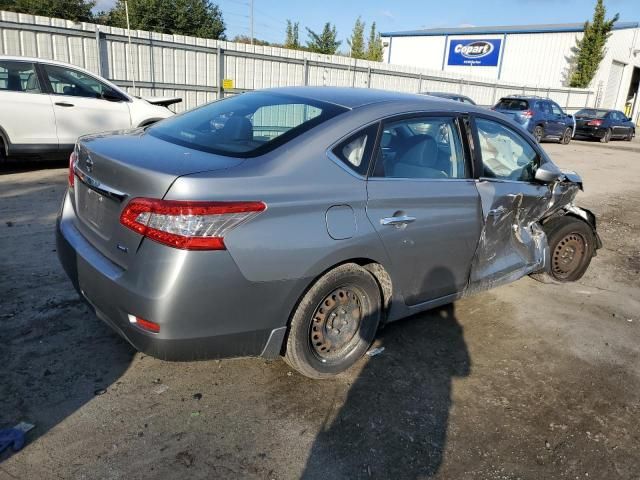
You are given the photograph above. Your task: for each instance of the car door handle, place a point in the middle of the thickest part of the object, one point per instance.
(64, 104)
(397, 221)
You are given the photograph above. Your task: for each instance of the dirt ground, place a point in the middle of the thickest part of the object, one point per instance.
(528, 381)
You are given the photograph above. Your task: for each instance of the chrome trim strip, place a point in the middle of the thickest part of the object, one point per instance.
(98, 187)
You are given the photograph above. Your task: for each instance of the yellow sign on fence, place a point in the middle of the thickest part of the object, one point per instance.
(227, 83)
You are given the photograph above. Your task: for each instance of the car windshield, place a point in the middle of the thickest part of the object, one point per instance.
(512, 104)
(592, 113)
(245, 125)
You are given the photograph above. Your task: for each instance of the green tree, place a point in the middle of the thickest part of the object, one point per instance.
(199, 18)
(293, 36)
(589, 51)
(356, 42)
(324, 42)
(76, 10)
(374, 48)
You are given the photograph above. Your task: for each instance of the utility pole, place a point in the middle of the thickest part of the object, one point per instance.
(251, 19)
(133, 73)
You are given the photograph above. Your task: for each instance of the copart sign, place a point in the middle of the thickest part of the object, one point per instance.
(476, 52)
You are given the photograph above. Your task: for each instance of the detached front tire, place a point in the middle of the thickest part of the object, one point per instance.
(571, 245)
(334, 323)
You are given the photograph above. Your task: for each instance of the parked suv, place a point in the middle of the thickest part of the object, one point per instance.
(45, 106)
(543, 118)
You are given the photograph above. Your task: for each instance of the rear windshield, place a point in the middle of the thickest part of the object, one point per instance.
(592, 113)
(512, 104)
(245, 125)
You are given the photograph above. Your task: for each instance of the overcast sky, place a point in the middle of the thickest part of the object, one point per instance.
(393, 15)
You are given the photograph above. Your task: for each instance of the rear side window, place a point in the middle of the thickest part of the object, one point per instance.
(245, 125)
(424, 148)
(19, 77)
(512, 104)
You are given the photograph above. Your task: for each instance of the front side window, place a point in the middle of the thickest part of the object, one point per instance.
(65, 81)
(19, 77)
(505, 154)
(425, 148)
(245, 125)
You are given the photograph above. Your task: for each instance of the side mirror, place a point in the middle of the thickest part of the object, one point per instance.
(548, 173)
(111, 96)
(629, 119)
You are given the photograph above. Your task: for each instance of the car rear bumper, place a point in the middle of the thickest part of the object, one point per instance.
(204, 305)
(590, 132)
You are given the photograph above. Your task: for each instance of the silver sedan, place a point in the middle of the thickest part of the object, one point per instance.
(296, 221)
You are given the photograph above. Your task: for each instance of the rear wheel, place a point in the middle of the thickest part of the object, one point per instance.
(630, 135)
(606, 137)
(538, 133)
(566, 136)
(3, 152)
(335, 322)
(571, 245)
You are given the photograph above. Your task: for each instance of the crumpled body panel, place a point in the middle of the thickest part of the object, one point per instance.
(512, 243)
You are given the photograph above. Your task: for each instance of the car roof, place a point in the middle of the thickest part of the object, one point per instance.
(350, 97)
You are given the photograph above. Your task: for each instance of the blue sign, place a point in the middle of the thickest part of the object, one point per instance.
(479, 53)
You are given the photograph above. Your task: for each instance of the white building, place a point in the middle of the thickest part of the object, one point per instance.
(534, 55)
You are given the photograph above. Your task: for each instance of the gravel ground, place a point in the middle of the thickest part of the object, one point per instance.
(527, 381)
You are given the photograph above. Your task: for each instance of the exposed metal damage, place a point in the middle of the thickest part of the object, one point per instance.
(513, 242)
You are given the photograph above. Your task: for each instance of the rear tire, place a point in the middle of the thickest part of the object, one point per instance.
(566, 136)
(571, 245)
(3, 152)
(606, 137)
(538, 133)
(335, 322)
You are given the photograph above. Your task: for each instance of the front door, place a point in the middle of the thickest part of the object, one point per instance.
(424, 205)
(84, 105)
(512, 243)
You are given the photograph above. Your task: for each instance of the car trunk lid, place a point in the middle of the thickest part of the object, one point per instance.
(111, 170)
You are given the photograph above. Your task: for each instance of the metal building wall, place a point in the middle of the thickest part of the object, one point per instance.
(193, 68)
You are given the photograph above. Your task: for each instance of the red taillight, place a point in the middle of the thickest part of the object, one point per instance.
(152, 327)
(187, 225)
(72, 163)
(526, 114)
(594, 123)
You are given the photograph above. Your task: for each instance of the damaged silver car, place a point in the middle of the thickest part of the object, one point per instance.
(309, 217)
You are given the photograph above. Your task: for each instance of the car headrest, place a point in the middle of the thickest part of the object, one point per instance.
(237, 128)
(13, 82)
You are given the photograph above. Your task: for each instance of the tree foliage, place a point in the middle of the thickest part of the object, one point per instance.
(292, 39)
(589, 51)
(199, 18)
(356, 42)
(325, 42)
(374, 48)
(76, 10)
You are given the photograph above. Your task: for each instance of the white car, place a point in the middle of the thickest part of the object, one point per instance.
(46, 105)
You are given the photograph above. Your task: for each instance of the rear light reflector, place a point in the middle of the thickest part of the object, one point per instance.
(147, 325)
(526, 114)
(594, 123)
(187, 225)
(72, 164)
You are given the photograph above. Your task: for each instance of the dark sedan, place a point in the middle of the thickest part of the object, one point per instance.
(604, 125)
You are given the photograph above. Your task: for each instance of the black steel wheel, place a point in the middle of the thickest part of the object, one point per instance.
(538, 133)
(335, 322)
(566, 136)
(606, 137)
(571, 245)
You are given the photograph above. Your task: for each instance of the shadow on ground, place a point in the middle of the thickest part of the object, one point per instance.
(399, 400)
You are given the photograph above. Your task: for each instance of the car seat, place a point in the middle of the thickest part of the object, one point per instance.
(418, 159)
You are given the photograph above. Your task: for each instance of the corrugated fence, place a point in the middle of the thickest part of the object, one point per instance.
(195, 68)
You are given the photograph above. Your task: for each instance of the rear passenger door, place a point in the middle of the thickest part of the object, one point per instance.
(26, 112)
(423, 203)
